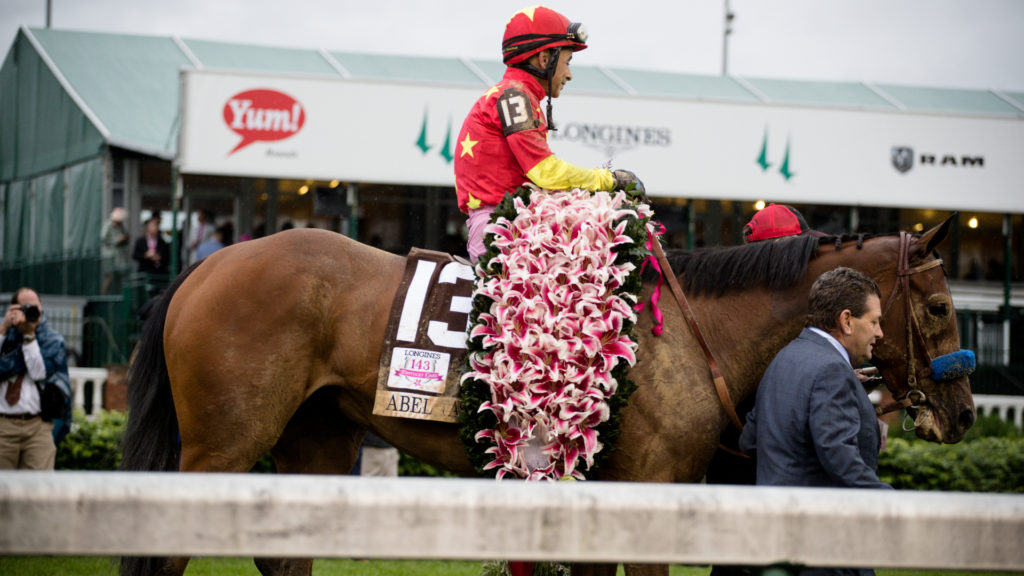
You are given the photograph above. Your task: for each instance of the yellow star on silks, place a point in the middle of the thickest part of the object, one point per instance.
(527, 11)
(467, 146)
(491, 91)
(473, 203)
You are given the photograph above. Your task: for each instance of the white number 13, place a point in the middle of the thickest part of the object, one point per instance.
(515, 110)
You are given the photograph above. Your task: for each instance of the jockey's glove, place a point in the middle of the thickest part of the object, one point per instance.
(628, 182)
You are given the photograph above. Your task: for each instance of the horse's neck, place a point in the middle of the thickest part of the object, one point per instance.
(745, 331)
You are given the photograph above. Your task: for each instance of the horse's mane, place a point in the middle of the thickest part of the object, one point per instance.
(716, 270)
(775, 264)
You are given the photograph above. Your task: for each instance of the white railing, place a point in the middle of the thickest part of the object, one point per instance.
(1009, 408)
(87, 389)
(239, 515)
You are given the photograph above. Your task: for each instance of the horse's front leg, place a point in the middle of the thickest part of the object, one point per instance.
(284, 566)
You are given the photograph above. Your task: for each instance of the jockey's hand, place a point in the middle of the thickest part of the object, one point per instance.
(629, 183)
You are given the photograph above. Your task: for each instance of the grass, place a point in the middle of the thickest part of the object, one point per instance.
(97, 566)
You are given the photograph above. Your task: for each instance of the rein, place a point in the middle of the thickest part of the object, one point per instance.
(716, 374)
(914, 396)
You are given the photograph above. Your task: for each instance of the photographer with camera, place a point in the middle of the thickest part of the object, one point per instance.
(35, 389)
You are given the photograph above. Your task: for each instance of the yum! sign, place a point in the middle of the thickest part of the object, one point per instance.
(263, 115)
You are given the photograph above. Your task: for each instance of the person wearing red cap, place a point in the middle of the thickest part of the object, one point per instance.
(503, 140)
(776, 221)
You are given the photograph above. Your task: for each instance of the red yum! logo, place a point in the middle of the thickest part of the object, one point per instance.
(266, 115)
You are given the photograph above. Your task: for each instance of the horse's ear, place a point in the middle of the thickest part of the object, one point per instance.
(931, 239)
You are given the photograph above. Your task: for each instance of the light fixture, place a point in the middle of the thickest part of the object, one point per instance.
(334, 183)
(973, 222)
(759, 205)
(918, 227)
(303, 190)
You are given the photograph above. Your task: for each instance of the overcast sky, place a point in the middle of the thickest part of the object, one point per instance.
(977, 44)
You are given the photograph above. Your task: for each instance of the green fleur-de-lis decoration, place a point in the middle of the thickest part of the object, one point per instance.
(762, 160)
(784, 169)
(422, 142)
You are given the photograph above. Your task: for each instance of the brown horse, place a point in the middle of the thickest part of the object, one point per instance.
(274, 345)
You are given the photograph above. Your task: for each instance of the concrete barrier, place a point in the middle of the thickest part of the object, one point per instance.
(237, 515)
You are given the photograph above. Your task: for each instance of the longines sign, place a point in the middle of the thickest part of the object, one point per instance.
(610, 139)
(300, 127)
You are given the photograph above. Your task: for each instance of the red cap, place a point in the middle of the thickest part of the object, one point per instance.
(775, 221)
(538, 28)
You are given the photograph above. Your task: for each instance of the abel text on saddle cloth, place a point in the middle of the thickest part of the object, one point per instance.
(426, 340)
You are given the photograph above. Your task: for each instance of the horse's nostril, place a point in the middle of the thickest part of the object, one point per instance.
(966, 419)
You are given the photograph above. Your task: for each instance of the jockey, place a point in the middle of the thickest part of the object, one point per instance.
(503, 141)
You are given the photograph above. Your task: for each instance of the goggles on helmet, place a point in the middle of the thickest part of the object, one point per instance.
(577, 33)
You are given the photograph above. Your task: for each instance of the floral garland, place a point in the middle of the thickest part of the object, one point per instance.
(552, 332)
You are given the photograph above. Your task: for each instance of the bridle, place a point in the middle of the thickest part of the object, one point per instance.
(913, 396)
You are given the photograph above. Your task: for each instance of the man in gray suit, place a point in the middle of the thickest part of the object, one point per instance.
(812, 423)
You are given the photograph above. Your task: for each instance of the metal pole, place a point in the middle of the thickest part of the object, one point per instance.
(176, 195)
(1007, 279)
(49, 13)
(725, 38)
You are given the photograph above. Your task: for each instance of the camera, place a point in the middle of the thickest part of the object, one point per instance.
(31, 312)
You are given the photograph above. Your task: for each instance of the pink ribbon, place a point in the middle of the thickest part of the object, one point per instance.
(659, 322)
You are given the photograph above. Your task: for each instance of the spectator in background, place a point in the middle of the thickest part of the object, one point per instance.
(35, 390)
(114, 246)
(151, 252)
(211, 245)
(203, 231)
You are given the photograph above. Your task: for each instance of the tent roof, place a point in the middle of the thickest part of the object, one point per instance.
(128, 86)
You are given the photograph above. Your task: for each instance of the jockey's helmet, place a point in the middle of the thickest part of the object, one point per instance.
(538, 28)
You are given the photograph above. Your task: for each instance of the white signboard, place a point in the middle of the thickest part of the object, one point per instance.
(360, 131)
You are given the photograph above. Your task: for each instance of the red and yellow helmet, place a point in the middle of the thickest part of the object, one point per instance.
(537, 28)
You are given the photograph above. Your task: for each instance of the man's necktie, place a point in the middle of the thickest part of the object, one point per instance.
(14, 390)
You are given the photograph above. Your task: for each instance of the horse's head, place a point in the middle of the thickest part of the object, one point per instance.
(920, 355)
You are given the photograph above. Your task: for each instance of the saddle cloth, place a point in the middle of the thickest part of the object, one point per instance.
(425, 342)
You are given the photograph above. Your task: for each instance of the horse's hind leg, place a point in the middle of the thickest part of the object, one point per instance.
(317, 440)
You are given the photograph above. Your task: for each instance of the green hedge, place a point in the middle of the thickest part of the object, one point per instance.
(990, 458)
(92, 444)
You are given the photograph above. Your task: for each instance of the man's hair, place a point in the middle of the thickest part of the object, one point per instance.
(837, 290)
(14, 297)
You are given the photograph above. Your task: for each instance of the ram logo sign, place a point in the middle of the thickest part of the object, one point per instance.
(263, 115)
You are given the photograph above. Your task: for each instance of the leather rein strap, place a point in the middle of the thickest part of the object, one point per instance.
(716, 374)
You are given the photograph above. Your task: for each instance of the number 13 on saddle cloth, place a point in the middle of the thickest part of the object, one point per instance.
(426, 339)
(551, 309)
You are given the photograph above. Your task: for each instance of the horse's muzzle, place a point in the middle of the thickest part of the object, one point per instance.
(952, 366)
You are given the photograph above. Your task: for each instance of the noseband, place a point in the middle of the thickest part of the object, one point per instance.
(963, 359)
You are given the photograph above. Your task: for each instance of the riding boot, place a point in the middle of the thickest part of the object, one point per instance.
(520, 568)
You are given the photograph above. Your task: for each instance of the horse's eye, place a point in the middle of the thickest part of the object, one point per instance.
(938, 309)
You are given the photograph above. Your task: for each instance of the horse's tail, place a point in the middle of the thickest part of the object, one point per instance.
(151, 435)
(150, 440)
